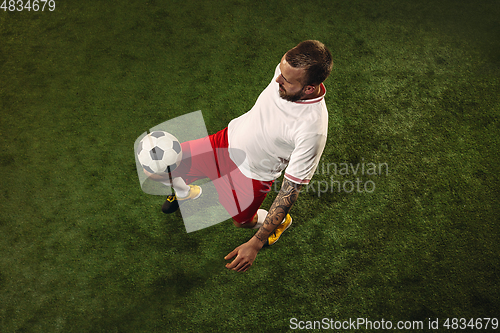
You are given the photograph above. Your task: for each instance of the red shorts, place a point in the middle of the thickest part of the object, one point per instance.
(208, 157)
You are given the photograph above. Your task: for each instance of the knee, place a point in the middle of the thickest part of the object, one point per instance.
(245, 224)
(238, 225)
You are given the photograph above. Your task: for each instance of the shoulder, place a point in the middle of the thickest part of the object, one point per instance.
(313, 119)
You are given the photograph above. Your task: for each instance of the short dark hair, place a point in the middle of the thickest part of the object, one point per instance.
(315, 57)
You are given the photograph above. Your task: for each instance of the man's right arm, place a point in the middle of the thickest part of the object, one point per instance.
(284, 201)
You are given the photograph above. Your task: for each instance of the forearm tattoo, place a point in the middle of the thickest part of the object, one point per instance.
(279, 209)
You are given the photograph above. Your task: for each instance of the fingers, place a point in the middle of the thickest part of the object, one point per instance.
(231, 254)
(231, 264)
(244, 258)
(244, 267)
(239, 264)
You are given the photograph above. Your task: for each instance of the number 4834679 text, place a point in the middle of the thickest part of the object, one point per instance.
(35, 5)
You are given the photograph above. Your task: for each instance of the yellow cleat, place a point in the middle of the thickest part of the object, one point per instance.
(273, 238)
(172, 202)
(194, 193)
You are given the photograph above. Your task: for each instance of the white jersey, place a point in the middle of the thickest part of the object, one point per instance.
(277, 135)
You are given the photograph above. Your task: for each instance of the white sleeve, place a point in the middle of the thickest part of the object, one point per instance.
(305, 158)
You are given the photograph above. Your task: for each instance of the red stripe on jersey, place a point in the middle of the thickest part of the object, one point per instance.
(296, 180)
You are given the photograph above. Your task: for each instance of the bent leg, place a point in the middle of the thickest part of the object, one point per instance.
(252, 216)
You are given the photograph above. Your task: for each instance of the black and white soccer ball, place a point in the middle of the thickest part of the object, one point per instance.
(159, 152)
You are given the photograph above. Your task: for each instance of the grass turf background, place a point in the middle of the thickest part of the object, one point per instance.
(83, 249)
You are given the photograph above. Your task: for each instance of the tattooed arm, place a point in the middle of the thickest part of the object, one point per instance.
(281, 206)
(246, 253)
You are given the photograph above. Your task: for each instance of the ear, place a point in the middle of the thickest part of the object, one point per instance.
(309, 89)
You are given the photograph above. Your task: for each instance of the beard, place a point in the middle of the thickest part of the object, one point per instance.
(291, 97)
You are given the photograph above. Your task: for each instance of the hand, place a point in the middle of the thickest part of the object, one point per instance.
(245, 255)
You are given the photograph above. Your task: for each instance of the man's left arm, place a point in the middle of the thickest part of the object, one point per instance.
(246, 253)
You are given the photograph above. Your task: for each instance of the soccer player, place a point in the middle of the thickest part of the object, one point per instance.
(285, 130)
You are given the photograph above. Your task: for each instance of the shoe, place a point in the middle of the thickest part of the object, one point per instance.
(172, 202)
(273, 238)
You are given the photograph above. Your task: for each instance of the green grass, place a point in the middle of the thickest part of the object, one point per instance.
(83, 249)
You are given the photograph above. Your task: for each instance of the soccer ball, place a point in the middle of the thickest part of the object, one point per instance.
(159, 152)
